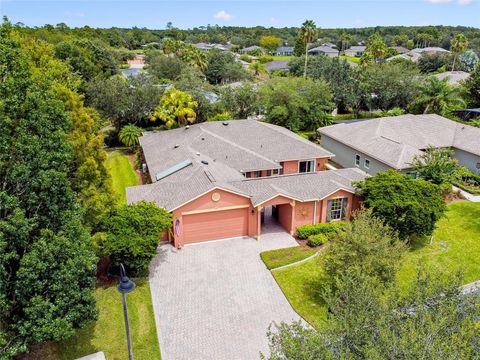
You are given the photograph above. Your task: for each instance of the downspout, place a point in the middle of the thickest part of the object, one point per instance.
(315, 212)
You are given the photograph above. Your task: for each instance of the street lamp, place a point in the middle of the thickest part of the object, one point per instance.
(124, 287)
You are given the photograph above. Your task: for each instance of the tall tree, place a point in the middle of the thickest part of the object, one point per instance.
(176, 108)
(376, 48)
(458, 45)
(472, 86)
(436, 165)
(271, 43)
(309, 31)
(43, 244)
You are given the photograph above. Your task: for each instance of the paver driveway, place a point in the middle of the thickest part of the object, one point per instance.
(215, 300)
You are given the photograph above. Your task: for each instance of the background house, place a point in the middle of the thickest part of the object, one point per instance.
(376, 145)
(323, 50)
(249, 49)
(283, 51)
(355, 51)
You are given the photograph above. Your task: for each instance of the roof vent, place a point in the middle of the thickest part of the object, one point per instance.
(176, 146)
(203, 138)
(198, 154)
(205, 162)
(187, 127)
(225, 123)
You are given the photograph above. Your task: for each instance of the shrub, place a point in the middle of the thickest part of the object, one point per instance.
(265, 59)
(317, 240)
(305, 231)
(132, 234)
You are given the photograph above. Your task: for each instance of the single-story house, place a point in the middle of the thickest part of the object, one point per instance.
(283, 51)
(249, 49)
(206, 46)
(355, 51)
(453, 77)
(217, 179)
(277, 65)
(323, 50)
(431, 50)
(400, 49)
(411, 56)
(380, 144)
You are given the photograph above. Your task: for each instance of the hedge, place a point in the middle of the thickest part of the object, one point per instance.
(305, 231)
(317, 240)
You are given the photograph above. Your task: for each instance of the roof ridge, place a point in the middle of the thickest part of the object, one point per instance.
(238, 146)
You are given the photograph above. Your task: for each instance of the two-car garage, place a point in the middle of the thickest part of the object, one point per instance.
(216, 214)
(213, 225)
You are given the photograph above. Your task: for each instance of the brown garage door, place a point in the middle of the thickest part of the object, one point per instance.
(215, 225)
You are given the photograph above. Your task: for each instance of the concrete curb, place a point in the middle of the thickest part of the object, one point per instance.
(297, 262)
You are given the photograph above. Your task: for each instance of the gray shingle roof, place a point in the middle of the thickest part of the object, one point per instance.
(454, 77)
(219, 153)
(323, 49)
(301, 187)
(277, 65)
(396, 140)
(243, 145)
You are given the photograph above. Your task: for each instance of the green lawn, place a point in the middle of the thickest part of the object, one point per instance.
(283, 57)
(455, 246)
(107, 334)
(350, 58)
(122, 173)
(280, 257)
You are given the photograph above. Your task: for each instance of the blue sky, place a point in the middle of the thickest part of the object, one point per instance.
(186, 14)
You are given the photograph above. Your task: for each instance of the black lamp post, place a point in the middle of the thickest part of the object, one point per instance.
(124, 287)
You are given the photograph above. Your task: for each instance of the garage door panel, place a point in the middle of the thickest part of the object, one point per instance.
(215, 225)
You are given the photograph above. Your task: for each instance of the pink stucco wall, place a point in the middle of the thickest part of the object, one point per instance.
(285, 217)
(304, 212)
(205, 202)
(338, 194)
(290, 167)
(320, 164)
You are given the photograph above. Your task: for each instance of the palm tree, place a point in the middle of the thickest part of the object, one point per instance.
(258, 68)
(309, 30)
(458, 45)
(129, 135)
(437, 97)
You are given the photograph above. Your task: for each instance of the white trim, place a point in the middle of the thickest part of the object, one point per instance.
(333, 192)
(206, 211)
(307, 172)
(315, 212)
(206, 192)
(359, 160)
(365, 163)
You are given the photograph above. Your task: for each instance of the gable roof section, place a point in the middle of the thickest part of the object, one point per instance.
(396, 140)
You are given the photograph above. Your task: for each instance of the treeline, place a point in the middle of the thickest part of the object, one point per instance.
(135, 37)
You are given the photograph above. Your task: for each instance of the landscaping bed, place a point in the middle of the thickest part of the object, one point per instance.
(281, 257)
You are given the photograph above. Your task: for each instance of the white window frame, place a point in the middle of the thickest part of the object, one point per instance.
(338, 210)
(365, 163)
(357, 160)
(312, 162)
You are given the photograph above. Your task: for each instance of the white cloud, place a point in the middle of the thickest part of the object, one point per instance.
(464, 2)
(439, 1)
(223, 15)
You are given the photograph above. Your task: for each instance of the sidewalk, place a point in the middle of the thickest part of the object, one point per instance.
(466, 195)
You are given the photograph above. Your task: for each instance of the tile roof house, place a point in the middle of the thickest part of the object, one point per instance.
(392, 142)
(217, 178)
(323, 50)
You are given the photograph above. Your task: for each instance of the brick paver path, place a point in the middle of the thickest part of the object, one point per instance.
(215, 300)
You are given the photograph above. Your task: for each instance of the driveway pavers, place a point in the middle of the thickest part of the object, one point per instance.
(215, 300)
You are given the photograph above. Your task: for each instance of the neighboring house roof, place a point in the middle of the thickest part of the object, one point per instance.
(284, 49)
(207, 46)
(412, 56)
(468, 114)
(329, 44)
(430, 49)
(454, 77)
(357, 48)
(132, 71)
(323, 49)
(396, 140)
(250, 48)
(277, 65)
(400, 49)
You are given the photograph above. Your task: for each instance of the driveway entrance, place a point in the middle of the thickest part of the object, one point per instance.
(215, 300)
